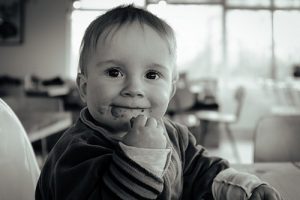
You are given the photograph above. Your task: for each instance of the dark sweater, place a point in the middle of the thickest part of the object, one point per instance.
(87, 164)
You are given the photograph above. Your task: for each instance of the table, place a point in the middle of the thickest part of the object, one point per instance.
(285, 177)
(40, 125)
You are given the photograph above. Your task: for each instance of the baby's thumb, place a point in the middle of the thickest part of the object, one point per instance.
(255, 196)
(132, 121)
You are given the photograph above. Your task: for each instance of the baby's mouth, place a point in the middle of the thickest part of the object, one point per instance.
(122, 111)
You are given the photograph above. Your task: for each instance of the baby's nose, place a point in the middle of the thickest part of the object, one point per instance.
(133, 88)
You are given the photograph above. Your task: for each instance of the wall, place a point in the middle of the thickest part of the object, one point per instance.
(44, 51)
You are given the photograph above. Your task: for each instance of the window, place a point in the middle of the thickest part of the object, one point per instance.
(249, 43)
(249, 3)
(287, 41)
(199, 37)
(216, 37)
(287, 3)
(79, 22)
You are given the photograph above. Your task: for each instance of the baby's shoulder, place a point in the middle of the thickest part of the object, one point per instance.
(177, 132)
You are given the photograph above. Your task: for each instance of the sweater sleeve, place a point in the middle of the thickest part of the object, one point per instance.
(232, 184)
(154, 160)
(129, 180)
(88, 169)
(199, 169)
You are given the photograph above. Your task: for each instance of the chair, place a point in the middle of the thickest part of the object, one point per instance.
(19, 170)
(206, 117)
(276, 139)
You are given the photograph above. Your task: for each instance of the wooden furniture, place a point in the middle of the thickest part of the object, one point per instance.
(284, 176)
(39, 125)
(276, 139)
(40, 116)
(25, 104)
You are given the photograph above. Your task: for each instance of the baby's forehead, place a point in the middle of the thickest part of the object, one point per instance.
(110, 31)
(107, 36)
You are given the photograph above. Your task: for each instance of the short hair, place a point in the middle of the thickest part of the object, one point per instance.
(115, 18)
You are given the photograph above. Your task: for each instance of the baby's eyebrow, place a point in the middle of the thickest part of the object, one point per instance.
(105, 62)
(158, 66)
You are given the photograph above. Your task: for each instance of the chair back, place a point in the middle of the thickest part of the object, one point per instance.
(19, 170)
(277, 138)
(239, 97)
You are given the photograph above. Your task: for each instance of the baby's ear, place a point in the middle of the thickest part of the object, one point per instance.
(81, 84)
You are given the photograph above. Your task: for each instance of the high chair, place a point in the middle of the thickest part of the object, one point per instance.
(19, 170)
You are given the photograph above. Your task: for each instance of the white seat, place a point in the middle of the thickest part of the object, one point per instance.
(19, 170)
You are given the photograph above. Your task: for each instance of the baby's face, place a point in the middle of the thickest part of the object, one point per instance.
(129, 74)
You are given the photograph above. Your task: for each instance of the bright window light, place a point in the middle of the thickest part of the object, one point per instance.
(287, 40)
(79, 22)
(76, 4)
(249, 43)
(199, 36)
(248, 3)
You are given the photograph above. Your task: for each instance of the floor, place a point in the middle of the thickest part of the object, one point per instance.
(225, 150)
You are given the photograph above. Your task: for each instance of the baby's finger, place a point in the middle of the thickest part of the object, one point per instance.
(139, 121)
(132, 121)
(151, 122)
(255, 196)
(160, 122)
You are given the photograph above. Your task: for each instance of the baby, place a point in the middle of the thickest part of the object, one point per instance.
(122, 147)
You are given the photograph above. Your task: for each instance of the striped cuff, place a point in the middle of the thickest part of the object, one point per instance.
(153, 160)
(129, 180)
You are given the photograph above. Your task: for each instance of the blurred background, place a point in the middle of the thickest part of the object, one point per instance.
(238, 61)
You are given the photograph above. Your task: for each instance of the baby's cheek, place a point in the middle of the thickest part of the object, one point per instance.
(160, 107)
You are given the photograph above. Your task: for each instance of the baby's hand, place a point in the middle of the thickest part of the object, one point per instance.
(146, 132)
(265, 192)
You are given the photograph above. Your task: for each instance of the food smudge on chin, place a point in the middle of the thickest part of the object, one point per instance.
(103, 110)
(117, 112)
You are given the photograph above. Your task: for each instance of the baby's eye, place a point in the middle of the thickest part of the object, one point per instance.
(114, 73)
(153, 75)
